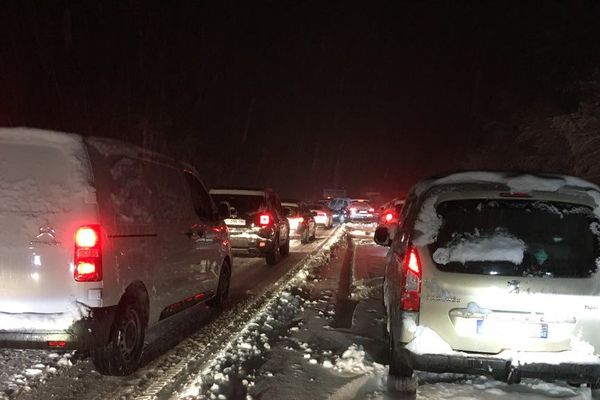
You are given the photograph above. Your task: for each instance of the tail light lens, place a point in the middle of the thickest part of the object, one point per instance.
(389, 216)
(410, 289)
(88, 254)
(371, 210)
(264, 219)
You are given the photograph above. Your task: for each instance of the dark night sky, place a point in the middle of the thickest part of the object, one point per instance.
(292, 94)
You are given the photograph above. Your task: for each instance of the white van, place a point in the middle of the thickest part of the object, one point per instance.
(101, 240)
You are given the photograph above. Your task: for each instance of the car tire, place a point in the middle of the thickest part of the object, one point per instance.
(223, 287)
(305, 238)
(398, 368)
(285, 248)
(121, 355)
(274, 255)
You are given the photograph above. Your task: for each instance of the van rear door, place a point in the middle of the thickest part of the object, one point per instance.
(45, 195)
(511, 274)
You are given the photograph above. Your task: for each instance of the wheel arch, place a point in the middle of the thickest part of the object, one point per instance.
(137, 291)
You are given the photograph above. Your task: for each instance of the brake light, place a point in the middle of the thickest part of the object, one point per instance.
(264, 219)
(371, 210)
(321, 214)
(410, 288)
(389, 217)
(88, 254)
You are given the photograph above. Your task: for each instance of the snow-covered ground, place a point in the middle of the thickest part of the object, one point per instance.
(318, 332)
(312, 343)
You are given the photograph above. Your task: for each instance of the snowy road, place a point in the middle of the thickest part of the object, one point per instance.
(311, 327)
(34, 374)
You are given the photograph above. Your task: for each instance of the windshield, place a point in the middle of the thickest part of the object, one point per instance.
(241, 204)
(516, 238)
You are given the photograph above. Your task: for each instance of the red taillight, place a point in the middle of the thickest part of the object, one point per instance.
(410, 289)
(59, 343)
(88, 254)
(389, 217)
(371, 210)
(264, 219)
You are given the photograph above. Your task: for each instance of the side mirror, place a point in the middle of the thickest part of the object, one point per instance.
(382, 236)
(223, 210)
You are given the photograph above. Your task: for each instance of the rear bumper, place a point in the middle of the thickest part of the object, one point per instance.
(503, 369)
(246, 245)
(84, 334)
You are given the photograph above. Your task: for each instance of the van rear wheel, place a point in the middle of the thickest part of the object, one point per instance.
(121, 356)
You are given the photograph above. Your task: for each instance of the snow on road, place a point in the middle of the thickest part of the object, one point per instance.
(317, 335)
(310, 343)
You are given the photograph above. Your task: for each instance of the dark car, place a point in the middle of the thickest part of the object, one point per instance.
(257, 225)
(301, 219)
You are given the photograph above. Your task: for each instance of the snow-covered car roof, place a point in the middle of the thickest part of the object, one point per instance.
(483, 184)
(510, 181)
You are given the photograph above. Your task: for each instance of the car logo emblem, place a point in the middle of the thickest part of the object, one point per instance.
(513, 286)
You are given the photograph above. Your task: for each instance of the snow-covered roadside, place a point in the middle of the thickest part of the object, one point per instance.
(291, 348)
(299, 348)
(253, 339)
(24, 369)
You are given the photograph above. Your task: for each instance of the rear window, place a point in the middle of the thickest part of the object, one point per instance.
(293, 211)
(241, 204)
(361, 205)
(517, 238)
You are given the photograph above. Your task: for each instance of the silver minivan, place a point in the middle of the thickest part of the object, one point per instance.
(495, 274)
(101, 240)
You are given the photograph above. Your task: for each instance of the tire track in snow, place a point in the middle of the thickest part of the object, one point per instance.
(219, 335)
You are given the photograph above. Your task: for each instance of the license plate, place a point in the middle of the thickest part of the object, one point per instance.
(512, 327)
(235, 222)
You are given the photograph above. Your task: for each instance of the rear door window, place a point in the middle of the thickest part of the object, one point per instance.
(130, 193)
(170, 196)
(517, 238)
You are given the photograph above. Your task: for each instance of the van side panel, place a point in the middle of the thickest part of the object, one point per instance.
(130, 235)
